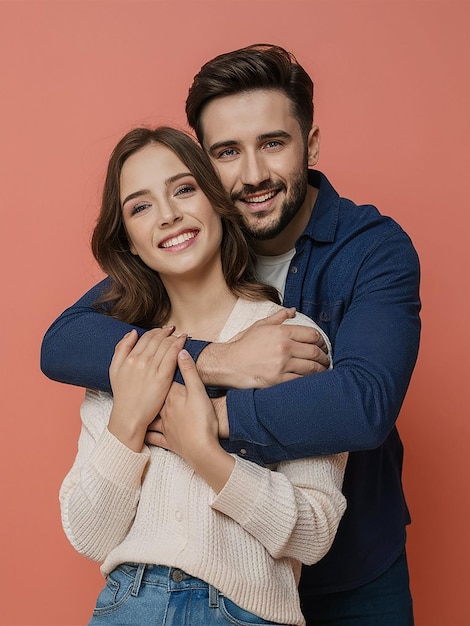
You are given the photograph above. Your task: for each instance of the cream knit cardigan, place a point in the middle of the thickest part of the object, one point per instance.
(150, 507)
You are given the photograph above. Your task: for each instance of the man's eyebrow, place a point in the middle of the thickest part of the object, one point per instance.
(143, 192)
(274, 135)
(228, 143)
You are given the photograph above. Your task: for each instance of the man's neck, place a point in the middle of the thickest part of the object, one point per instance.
(285, 241)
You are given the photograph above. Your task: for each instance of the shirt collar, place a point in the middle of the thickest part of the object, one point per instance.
(324, 218)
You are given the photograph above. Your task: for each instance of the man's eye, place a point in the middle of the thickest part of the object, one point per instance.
(227, 153)
(273, 144)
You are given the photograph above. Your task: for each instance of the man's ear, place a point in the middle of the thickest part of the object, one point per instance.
(313, 146)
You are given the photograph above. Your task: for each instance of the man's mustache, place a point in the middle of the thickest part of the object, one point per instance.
(247, 190)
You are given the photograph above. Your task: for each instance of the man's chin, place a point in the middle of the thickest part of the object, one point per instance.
(262, 229)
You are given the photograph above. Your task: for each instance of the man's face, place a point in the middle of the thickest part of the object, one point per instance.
(256, 145)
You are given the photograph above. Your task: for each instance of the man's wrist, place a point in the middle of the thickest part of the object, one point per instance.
(212, 365)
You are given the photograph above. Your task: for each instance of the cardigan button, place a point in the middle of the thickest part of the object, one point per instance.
(243, 451)
(294, 269)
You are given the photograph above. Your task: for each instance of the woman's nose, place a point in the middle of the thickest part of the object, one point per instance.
(168, 215)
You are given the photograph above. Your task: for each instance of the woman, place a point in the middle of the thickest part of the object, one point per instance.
(189, 534)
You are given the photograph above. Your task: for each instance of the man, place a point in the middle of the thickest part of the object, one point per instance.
(352, 270)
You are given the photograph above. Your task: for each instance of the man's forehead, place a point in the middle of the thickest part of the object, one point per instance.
(259, 113)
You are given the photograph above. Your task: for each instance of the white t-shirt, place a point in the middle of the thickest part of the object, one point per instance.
(272, 270)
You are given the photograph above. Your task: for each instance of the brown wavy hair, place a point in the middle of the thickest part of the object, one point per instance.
(258, 66)
(136, 294)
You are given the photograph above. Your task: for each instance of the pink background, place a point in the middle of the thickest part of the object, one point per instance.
(392, 101)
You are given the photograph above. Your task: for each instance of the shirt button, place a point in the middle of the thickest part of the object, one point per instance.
(293, 270)
(243, 451)
(178, 516)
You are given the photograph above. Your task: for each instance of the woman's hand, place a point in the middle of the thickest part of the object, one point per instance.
(141, 374)
(188, 426)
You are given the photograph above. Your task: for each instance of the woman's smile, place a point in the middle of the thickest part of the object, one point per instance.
(180, 241)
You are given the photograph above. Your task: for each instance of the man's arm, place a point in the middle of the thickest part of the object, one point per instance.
(355, 405)
(78, 348)
(266, 353)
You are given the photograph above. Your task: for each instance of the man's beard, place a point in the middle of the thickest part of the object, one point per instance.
(288, 210)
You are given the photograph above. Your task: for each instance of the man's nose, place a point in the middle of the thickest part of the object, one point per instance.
(254, 169)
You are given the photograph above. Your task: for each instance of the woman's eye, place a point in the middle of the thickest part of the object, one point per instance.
(138, 208)
(185, 189)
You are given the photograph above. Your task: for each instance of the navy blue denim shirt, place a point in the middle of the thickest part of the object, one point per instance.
(356, 273)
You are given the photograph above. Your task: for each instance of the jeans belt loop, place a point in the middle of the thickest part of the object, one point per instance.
(213, 597)
(138, 579)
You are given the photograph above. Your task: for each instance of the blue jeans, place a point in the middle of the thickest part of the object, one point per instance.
(154, 595)
(385, 601)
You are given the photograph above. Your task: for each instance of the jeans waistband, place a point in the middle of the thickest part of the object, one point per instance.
(173, 578)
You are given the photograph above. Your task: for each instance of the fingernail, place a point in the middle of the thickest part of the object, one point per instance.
(184, 354)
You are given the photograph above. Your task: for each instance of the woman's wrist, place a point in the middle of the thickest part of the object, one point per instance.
(214, 465)
(129, 433)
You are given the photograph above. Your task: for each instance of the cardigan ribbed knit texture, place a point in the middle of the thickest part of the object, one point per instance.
(150, 507)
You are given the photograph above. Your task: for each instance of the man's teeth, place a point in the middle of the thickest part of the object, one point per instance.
(263, 198)
(177, 240)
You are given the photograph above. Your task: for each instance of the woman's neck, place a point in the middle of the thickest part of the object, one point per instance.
(200, 307)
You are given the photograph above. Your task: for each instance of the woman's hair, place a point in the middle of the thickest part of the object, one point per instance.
(259, 66)
(136, 293)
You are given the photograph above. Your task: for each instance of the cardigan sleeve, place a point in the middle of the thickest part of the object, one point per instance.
(294, 511)
(99, 495)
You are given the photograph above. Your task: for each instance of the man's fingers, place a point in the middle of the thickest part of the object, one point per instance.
(277, 318)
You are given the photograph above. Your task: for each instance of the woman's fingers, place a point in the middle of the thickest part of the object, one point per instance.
(190, 375)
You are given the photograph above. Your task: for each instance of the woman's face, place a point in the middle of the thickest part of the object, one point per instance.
(170, 223)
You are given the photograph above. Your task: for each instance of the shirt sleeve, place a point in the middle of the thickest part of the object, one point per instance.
(355, 405)
(293, 512)
(78, 347)
(99, 495)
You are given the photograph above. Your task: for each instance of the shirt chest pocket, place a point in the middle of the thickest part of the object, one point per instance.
(327, 315)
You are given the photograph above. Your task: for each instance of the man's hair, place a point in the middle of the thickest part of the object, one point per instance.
(259, 66)
(136, 293)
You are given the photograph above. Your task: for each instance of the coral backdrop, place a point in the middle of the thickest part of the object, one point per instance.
(392, 101)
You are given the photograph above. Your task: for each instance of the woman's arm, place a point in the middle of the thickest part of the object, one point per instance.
(99, 495)
(294, 511)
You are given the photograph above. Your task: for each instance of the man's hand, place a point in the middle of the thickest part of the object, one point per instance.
(267, 353)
